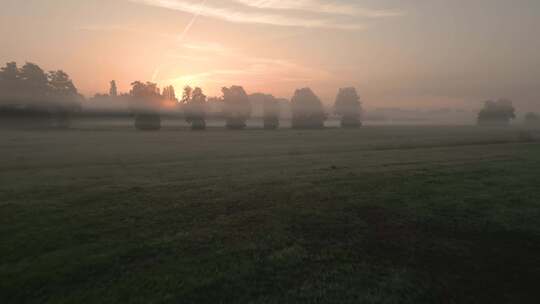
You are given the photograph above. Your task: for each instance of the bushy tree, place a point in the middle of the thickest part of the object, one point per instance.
(146, 103)
(348, 106)
(271, 112)
(499, 112)
(237, 107)
(307, 110)
(29, 90)
(195, 108)
(532, 119)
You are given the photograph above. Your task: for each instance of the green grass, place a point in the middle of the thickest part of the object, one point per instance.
(376, 215)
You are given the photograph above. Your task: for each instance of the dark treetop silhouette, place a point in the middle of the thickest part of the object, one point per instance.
(348, 106)
(145, 103)
(237, 107)
(307, 110)
(30, 92)
(195, 107)
(270, 109)
(498, 112)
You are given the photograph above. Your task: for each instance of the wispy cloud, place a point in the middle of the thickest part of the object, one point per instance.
(274, 12)
(327, 7)
(255, 70)
(212, 47)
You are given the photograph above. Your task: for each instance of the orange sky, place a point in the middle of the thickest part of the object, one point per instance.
(420, 53)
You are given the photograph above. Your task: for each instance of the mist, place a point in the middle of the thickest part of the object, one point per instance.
(264, 151)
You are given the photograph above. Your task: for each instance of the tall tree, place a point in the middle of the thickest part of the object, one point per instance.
(348, 106)
(186, 94)
(195, 109)
(113, 91)
(307, 109)
(67, 98)
(10, 84)
(237, 107)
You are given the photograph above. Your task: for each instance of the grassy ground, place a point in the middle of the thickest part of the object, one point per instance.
(376, 215)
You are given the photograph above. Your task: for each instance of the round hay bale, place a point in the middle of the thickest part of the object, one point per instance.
(148, 122)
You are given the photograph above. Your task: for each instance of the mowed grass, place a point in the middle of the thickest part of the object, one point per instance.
(375, 215)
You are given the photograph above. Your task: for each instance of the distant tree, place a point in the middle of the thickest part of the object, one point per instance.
(186, 95)
(30, 91)
(348, 106)
(10, 84)
(145, 103)
(35, 83)
(67, 98)
(237, 107)
(113, 91)
(307, 110)
(195, 109)
(271, 112)
(498, 112)
(532, 118)
(169, 93)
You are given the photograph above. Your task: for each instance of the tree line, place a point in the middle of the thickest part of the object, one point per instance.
(307, 108)
(30, 92)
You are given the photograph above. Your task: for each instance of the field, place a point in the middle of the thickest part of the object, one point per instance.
(382, 214)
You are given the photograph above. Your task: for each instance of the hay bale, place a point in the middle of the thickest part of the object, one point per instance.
(148, 122)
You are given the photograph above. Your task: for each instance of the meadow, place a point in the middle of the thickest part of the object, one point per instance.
(380, 214)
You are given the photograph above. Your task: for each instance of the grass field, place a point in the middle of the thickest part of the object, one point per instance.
(375, 215)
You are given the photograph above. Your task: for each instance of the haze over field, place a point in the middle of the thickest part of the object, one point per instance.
(403, 54)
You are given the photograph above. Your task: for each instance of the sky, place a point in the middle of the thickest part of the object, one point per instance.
(415, 53)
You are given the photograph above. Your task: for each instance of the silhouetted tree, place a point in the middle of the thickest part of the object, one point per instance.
(195, 109)
(498, 112)
(348, 106)
(307, 109)
(271, 112)
(169, 93)
(145, 103)
(532, 119)
(67, 99)
(186, 95)
(30, 92)
(35, 83)
(237, 107)
(113, 91)
(10, 84)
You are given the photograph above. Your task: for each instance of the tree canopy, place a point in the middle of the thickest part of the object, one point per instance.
(145, 97)
(497, 112)
(31, 87)
(195, 107)
(237, 106)
(307, 109)
(348, 106)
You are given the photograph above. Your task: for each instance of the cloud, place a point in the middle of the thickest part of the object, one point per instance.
(207, 47)
(268, 13)
(254, 70)
(318, 6)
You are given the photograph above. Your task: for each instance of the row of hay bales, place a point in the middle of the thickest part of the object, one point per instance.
(153, 122)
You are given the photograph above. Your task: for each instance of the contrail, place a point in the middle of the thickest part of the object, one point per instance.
(182, 35)
(193, 19)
